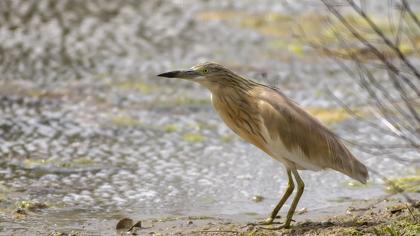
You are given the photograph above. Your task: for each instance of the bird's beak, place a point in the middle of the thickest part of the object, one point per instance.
(181, 74)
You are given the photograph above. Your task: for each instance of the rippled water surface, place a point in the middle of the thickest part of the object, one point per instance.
(87, 128)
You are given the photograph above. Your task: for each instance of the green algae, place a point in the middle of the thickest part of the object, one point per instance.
(351, 231)
(139, 86)
(169, 128)
(193, 137)
(405, 226)
(30, 205)
(403, 184)
(356, 184)
(295, 33)
(227, 138)
(124, 120)
(185, 100)
(32, 163)
(82, 161)
(76, 162)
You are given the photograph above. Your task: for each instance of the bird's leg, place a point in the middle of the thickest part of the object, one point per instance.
(286, 195)
(301, 186)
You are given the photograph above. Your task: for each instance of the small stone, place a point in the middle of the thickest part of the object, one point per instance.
(350, 210)
(21, 211)
(257, 198)
(19, 214)
(135, 227)
(302, 211)
(124, 224)
(327, 223)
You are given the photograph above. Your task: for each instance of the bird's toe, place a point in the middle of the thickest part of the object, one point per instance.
(282, 226)
(267, 221)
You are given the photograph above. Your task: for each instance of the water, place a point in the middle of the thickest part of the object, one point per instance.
(90, 130)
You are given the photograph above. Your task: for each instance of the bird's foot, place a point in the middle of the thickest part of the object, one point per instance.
(282, 226)
(268, 221)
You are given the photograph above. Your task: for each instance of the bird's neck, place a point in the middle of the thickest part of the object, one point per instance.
(233, 93)
(229, 85)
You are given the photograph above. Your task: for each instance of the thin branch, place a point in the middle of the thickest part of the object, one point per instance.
(360, 118)
(399, 27)
(375, 51)
(384, 38)
(346, 69)
(383, 91)
(410, 12)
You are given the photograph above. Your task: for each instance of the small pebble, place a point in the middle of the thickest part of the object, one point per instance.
(327, 223)
(257, 198)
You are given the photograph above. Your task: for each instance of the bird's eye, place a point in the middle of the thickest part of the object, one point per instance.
(205, 70)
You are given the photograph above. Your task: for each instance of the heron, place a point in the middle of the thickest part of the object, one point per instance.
(263, 116)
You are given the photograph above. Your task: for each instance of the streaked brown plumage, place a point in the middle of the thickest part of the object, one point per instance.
(263, 116)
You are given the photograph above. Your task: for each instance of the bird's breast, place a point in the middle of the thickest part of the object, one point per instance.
(242, 119)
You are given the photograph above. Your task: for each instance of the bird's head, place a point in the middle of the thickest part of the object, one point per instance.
(209, 74)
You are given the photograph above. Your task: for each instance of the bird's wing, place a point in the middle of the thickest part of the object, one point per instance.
(309, 144)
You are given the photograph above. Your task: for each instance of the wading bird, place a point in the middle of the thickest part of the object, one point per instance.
(265, 117)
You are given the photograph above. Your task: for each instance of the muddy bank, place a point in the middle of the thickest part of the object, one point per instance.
(383, 218)
(378, 217)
